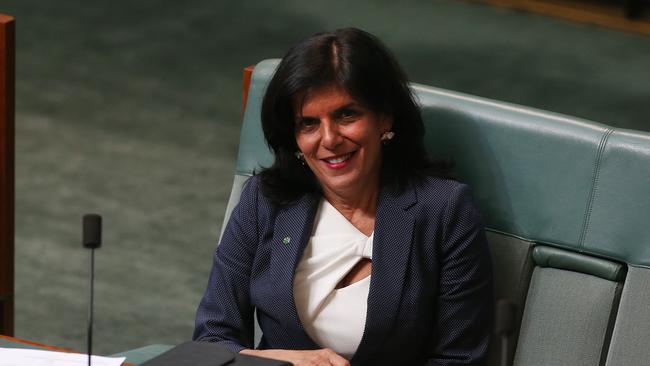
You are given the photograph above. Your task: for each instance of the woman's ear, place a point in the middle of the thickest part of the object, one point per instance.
(385, 123)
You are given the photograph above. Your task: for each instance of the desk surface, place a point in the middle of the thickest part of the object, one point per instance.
(11, 342)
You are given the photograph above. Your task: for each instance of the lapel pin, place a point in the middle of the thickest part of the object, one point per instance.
(286, 240)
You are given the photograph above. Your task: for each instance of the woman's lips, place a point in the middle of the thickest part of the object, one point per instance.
(338, 162)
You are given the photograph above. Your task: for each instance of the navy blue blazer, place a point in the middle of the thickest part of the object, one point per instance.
(430, 299)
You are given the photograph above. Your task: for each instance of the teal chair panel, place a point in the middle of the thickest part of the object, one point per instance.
(571, 261)
(566, 319)
(253, 150)
(631, 337)
(619, 216)
(531, 171)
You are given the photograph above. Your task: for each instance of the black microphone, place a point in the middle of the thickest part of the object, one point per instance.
(505, 326)
(91, 239)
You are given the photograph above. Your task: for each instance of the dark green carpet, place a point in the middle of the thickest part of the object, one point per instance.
(132, 110)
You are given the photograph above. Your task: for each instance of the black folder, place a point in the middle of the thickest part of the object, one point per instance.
(208, 354)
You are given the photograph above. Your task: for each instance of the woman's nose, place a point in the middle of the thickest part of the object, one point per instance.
(331, 136)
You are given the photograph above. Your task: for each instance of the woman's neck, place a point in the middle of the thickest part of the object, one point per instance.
(358, 207)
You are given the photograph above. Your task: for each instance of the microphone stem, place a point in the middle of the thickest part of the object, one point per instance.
(505, 354)
(90, 306)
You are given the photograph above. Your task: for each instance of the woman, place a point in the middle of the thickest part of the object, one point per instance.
(352, 247)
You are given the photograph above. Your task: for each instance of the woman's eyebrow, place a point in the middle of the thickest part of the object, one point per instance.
(346, 106)
(302, 119)
(351, 105)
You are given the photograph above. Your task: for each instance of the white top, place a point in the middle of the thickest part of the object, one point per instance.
(333, 318)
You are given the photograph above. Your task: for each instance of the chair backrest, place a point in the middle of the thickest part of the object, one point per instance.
(567, 208)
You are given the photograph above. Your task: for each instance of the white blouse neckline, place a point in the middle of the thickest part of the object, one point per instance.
(329, 217)
(334, 318)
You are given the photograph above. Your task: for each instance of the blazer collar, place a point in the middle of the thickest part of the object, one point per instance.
(394, 224)
(291, 232)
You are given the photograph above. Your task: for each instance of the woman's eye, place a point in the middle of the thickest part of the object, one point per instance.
(348, 114)
(306, 123)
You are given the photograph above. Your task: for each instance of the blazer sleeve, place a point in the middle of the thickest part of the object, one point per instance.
(465, 296)
(225, 314)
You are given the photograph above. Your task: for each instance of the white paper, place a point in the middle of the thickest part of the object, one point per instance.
(31, 357)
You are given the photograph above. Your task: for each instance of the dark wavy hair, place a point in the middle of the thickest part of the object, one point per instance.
(359, 63)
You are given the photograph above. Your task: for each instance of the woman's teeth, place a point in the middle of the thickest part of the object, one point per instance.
(339, 159)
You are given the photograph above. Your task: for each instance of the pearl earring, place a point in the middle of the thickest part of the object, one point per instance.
(386, 137)
(300, 156)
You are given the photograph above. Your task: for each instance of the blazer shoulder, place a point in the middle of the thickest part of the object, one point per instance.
(251, 186)
(265, 209)
(252, 193)
(253, 208)
(445, 198)
(440, 190)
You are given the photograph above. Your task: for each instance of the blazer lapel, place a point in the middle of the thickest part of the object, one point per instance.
(394, 224)
(292, 230)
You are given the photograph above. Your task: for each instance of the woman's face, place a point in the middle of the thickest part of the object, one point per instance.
(340, 140)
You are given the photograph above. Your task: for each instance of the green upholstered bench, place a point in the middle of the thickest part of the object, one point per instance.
(567, 208)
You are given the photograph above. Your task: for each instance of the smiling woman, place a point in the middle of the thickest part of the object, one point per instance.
(353, 247)
(340, 140)
(358, 65)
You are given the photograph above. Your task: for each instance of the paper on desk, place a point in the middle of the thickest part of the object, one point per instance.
(31, 357)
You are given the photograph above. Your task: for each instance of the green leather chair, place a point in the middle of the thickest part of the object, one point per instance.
(567, 208)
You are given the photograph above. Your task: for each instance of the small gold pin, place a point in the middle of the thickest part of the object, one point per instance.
(286, 240)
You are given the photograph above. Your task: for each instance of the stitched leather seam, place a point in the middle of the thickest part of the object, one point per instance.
(594, 187)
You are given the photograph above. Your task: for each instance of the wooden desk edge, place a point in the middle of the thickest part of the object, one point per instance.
(7, 112)
(6, 18)
(45, 346)
(248, 74)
